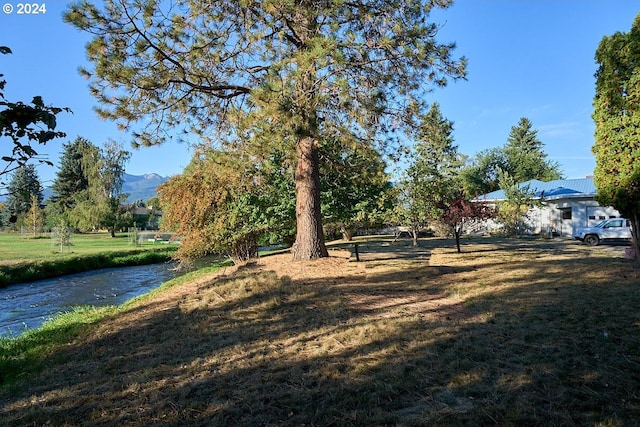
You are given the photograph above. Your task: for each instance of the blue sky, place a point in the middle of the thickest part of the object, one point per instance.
(527, 58)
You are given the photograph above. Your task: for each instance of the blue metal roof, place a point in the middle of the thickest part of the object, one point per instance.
(558, 189)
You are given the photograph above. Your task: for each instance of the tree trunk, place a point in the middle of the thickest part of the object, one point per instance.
(414, 235)
(457, 233)
(309, 242)
(635, 234)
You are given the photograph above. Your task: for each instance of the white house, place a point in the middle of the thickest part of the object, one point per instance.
(566, 205)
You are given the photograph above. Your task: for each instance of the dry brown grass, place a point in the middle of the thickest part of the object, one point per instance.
(507, 333)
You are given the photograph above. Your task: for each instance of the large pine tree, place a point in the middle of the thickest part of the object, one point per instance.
(269, 70)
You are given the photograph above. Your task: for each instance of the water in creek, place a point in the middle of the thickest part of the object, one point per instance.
(28, 305)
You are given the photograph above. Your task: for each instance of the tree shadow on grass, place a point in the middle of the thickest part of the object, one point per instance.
(386, 249)
(553, 342)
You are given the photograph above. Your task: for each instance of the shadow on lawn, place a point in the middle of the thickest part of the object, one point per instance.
(419, 345)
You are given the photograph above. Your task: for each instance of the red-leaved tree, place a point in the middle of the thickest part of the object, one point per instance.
(461, 213)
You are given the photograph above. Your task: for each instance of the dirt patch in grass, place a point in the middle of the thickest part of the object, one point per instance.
(507, 333)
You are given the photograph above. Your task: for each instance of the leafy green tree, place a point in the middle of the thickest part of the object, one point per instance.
(99, 205)
(215, 206)
(23, 185)
(155, 212)
(34, 219)
(522, 157)
(354, 185)
(25, 125)
(433, 178)
(286, 73)
(617, 119)
(512, 212)
(481, 174)
(152, 203)
(409, 211)
(108, 186)
(277, 195)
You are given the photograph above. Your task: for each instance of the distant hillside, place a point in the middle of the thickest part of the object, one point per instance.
(138, 187)
(141, 187)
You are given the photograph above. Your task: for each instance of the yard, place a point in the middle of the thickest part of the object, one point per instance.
(510, 332)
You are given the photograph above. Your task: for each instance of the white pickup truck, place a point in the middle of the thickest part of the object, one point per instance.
(616, 229)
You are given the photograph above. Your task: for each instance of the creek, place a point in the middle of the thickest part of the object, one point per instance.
(28, 305)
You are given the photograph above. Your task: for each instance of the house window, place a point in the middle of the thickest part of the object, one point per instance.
(566, 213)
(602, 217)
(592, 217)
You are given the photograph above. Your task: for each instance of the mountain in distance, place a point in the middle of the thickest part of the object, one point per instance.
(141, 187)
(138, 187)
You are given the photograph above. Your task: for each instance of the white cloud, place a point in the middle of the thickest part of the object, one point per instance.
(562, 130)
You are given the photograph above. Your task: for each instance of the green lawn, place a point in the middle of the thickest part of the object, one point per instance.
(16, 249)
(24, 259)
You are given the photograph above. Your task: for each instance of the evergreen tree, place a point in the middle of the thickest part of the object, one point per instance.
(433, 179)
(437, 165)
(23, 185)
(277, 195)
(525, 156)
(617, 119)
(71, 178)
(522, 158)
(278, 71)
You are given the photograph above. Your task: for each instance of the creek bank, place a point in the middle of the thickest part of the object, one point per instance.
(47, 269)
(28, 305)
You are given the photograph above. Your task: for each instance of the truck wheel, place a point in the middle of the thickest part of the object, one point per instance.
(592, 240)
